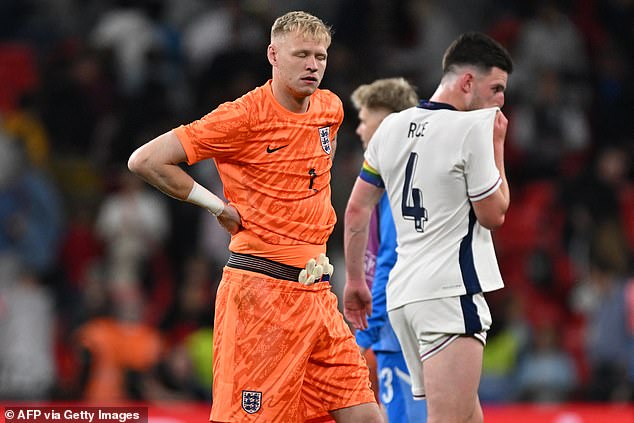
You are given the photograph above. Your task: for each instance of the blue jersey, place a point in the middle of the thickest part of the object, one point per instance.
(395, 388)
(379, 335)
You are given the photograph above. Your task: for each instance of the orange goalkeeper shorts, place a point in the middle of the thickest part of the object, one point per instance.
(282, 352)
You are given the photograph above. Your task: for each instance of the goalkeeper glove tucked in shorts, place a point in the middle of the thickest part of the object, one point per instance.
(319, 270)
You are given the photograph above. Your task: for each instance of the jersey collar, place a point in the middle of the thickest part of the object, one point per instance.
(434, 105)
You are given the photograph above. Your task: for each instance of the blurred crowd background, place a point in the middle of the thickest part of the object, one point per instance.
(107, 286)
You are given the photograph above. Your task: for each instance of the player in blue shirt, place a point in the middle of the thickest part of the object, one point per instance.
(374, 102)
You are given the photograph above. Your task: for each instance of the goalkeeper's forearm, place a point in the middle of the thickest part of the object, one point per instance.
(176, 185)
(175, 182)
(157, 163)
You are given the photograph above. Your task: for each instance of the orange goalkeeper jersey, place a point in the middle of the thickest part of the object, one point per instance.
(275, 169)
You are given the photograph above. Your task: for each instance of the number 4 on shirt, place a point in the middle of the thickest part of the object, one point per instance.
(412, 200)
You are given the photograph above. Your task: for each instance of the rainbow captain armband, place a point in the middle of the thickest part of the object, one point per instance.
(371, 176)
(319, 270)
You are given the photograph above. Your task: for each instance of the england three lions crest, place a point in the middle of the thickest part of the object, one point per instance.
(251, 401)
(324, 137)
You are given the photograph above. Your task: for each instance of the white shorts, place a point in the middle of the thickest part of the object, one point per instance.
(425, 328)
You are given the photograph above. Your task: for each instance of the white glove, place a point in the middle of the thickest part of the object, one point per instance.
(324, 262)
(315, 270)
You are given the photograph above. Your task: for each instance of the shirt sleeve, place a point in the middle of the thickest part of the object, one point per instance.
(221, 132)
(371, 171)
(481, 173)
(371, 176)
(338, 117)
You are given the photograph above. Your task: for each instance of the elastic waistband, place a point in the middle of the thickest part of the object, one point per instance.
(265, 266)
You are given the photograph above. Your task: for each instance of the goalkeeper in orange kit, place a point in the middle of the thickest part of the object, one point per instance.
(282, 350)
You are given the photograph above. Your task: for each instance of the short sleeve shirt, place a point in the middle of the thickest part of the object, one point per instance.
(433, 163)
(274, 164)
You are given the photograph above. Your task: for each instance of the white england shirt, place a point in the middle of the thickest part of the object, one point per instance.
(433, 162)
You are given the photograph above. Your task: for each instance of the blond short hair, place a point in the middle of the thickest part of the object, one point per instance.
(393, 94)
(306, 24)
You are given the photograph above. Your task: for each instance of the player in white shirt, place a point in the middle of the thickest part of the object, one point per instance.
(442, 165)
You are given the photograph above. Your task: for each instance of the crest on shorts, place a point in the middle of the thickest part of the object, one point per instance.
(251, 401)
(324, 137)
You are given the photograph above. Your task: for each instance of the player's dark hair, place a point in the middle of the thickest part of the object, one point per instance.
(476, 49)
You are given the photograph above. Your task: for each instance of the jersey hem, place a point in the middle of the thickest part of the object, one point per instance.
(391, 307)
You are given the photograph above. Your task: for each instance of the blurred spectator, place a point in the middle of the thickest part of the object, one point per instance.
(606, 299)
(548, 127)
(593, 202)
(30, 210)
(76, 94)
(552, 90)
(81, 249)
(175, 378)
(565, 54)
(130, 33)
(614, 93)
(118, 351)
(199, 349)
(432, 27)
(185, 370)
(24, 125)
(91, 84)
(507, 343)
(222, 26)
(27, 324)
(193, 305)
(133, 223)
(547, 372)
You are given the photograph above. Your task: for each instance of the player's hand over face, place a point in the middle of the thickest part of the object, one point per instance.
(230, 219)
(357, 304)
(499, 128)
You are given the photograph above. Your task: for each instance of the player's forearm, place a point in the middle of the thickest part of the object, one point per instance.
(506, 196)
(157, 161)
(175, 182)
(499, 138)
(362, 200)
(498, 152)
(355, 242)
(168, 178)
